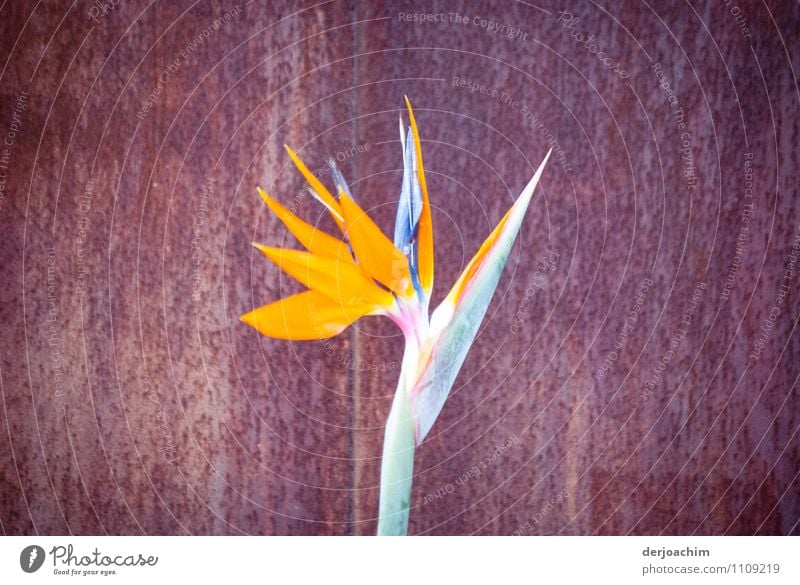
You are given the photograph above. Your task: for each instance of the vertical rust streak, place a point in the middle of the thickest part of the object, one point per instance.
(358, 467)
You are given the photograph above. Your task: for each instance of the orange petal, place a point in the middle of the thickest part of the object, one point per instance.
(304, 316)
(376, 253)
(425, 224)
(322, 194)
(315, 241)
(341, 282)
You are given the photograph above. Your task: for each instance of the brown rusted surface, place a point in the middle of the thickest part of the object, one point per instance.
(134, 401)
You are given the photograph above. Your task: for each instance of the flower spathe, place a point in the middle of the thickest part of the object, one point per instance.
(363, 273)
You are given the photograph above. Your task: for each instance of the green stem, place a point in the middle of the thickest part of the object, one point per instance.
(397, 463)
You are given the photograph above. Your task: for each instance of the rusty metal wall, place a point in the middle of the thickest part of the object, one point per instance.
(636, 373)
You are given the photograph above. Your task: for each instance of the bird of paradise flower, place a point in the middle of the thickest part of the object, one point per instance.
(366, 273)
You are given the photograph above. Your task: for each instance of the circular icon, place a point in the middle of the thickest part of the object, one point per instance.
(31, 558)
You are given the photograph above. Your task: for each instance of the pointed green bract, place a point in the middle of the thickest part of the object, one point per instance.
(455, 324)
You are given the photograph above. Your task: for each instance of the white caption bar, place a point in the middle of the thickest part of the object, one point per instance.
(120, 560)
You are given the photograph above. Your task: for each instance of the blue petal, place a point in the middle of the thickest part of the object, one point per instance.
(410, 203)
(338, 179)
